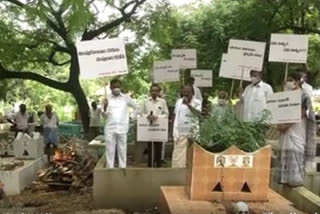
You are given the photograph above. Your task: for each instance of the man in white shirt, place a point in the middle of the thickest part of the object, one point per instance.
(197, 92)
(305, 86)
(94, 121)
(49, 122)
(155, 107)
(255, 96)
(187, 109)
(21, 119)
(116, 113)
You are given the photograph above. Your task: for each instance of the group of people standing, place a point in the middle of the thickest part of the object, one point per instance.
(297, 140)
(49, 122)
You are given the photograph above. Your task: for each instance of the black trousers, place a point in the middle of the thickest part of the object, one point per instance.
(157, 148)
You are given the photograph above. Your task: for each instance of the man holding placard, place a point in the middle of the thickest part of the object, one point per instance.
(297, 140)
(255, 96)
(116, 113)
(186, 111)
(154, 108)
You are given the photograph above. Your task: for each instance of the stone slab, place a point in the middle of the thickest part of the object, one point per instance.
(174, 200)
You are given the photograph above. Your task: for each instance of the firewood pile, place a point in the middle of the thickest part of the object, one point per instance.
(71, 167)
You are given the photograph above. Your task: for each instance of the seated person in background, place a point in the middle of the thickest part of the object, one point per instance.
(50, 121)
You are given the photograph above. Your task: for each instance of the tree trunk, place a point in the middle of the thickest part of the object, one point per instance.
(77, 91)
(83, 106)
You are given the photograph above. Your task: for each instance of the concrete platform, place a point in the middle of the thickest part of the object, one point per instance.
(16, 180)
(174, 200)
(134, 189)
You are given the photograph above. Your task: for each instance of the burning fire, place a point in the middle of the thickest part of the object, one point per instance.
(60, 155)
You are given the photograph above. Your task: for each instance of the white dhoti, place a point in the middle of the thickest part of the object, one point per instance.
(179, 155)
(114, 140)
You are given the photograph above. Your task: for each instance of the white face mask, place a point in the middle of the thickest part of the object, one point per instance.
(290, 85)
(254, 80)
(221, 101)
(116, 91)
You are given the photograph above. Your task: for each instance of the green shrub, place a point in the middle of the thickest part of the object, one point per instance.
(219, 133)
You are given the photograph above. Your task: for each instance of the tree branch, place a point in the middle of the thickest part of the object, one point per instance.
(16, 2)
(6, 74)
(300, 29)
(88, 35)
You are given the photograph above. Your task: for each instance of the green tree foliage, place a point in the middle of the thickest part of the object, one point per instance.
(38, 39)
(209, 27)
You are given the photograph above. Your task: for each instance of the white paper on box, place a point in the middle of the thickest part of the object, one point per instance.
(229, 69)
(290, 48)
(185, 58)
(100, 58)
(233, 161)
(203, 78)
(247, 54)
(285, 107)
(165, 71)
(156, 132)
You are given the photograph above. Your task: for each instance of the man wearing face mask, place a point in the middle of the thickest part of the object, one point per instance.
(255, 96)
(186, 111)
(153, 108)
(116, 112)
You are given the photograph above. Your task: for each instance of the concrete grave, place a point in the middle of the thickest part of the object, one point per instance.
(26, 147)
(229, 175)
(16, 180)
(135, 189)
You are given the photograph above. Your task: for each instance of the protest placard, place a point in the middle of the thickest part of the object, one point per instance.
(99, 58)
(155, 132)
(230, 70)
(290, 48)
(165, 71)
(185, 58)
(285, 107)
(202, 78)
(247, 54)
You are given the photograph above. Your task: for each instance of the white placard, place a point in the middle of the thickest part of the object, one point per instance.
(165, 71)
(233, 161)
(247, 54)
(285, 107)
(156, 132)
(202, 78)
(288, 48)
(99, 58)
(185, 58)
(229, 69)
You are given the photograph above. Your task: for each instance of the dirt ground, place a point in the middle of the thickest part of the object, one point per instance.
(57, 202)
